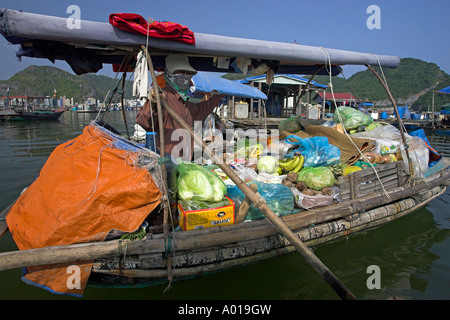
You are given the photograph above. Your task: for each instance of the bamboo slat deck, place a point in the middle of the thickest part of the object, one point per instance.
(364, 182)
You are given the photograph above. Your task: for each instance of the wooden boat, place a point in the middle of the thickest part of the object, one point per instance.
(9, 115)
(371, 197)
(196, 253)
(41, 114)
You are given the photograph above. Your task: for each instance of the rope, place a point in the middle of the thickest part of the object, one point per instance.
(168, 245)
(109, 90)
(330, 84)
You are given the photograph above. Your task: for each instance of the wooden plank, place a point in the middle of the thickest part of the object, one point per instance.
(388, 183)
(365, 172)
(368, 177)
(387, 186)
(374, 184)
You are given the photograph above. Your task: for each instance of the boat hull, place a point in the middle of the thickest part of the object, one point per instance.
(226, 247)
(41, 115)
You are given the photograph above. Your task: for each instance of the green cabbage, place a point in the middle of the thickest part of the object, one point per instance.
(196, 183)
(317, 178)
(267, 164)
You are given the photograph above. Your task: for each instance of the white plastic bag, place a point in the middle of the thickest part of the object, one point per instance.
(310, 202)
(418, 149)
(419, 154)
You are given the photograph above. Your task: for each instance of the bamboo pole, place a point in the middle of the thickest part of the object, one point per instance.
(432, 114)
(122, 101)
(58, 254)
(245, 206)
(161, 129)
(278, 224)
(162, 151)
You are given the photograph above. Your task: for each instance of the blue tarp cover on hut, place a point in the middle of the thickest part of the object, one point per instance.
(206, 82)
(445, 90)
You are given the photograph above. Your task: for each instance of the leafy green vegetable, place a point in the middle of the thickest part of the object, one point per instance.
(200, 205)
(267, 164)
(352, 118)
(317, 178)
(197, 183)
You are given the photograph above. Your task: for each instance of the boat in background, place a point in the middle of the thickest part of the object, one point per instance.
(41, 114)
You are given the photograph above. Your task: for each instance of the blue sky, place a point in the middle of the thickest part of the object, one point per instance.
(408, 28)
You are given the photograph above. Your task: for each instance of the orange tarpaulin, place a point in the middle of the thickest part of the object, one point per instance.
(88, 187)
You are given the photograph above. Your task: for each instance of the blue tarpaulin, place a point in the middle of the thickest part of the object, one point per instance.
(445, 90)
(434, 155)
(206, 82)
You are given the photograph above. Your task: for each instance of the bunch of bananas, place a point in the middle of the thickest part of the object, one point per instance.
(295, 164)
(338, 169)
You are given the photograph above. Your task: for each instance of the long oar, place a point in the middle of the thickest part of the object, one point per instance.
(259, 202)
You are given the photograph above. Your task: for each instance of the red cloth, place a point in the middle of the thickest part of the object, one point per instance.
(159, 29)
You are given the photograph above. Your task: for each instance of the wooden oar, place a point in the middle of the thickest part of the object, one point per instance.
(259, 202)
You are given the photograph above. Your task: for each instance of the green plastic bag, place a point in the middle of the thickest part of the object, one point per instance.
(291, 125)
(317, 178)
(352, 118)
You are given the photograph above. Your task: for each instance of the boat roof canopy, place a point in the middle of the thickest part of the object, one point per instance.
(87, 48)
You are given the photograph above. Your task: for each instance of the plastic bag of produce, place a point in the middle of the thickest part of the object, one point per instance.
(316, 150)
(417, 147)
(278, 197)
(248, 148)
(385, 146)
(420, 156)
(291, 125)
(317, 178)
(310, 202)
(351, 118)
(197, 183)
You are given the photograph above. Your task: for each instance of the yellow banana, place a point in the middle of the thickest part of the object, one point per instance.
(288, 163)
(300, 164)
(294, 164)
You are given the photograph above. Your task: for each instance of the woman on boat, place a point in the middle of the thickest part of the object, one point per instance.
(177, 76)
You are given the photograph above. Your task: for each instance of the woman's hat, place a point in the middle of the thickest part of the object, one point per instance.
(178, 62)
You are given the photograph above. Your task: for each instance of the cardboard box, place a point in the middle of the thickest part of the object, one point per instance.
(206, 218)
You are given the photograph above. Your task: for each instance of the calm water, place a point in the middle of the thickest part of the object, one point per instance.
(413, 253)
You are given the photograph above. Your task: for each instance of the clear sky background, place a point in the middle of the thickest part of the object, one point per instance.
(414, 28)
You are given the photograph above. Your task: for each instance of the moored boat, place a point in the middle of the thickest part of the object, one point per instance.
(125, 186)
(41, 114)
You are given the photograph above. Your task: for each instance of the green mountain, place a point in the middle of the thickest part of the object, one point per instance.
(43, 80)
(411, 83)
